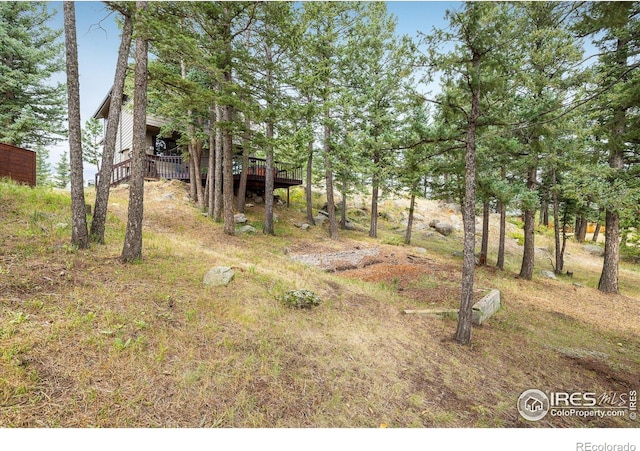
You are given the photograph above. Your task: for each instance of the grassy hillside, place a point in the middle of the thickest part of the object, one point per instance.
(87, 341)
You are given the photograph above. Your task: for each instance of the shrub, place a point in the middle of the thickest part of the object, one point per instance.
(300, 299)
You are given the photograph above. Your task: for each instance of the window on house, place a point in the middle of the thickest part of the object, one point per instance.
(165, 146)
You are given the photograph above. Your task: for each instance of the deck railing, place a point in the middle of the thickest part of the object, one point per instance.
(174, 167)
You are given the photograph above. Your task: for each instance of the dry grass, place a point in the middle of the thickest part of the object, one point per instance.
(86, 341)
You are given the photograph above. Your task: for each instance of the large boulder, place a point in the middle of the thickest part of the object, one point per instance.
(248, 229)
(594, 249)
(443, 228)
(548, 275)
(240, 218)
(218, 276)
(319, 220)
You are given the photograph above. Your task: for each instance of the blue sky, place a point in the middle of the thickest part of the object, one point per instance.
(99, 37)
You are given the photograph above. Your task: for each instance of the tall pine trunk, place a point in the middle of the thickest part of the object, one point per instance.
(269, 183)
(246, 148)
(528, 253)
(217, 180)
(556, 225)
(227, 172)
(596, 232)
(375, 189)
(211, 162)
(463, 331)
(484, 247)
(412, 206)
(104, 180)
(79, 232)
(132, 249)
(502, 209)
(331, 205)
(308, 188)
(609, 277)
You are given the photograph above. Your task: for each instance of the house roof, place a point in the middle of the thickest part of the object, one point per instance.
(103, 110)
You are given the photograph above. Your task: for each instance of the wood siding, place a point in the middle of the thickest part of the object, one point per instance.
(18, 164)
(124, 138)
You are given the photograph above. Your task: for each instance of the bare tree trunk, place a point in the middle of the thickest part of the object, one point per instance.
(246, 147)
(556, 225)
(596, 232)
(193, 193)
(227, 174)
(331, 205)
(375, 190)
(544, 214)
(309, 193)
(609, 277)
(528, 254)
(79, 232)
(581, 229)
(503, 228)
(343, 208)
(269, 183)
(196, 157)
(211, 161)
(412, 205)
(217, 181)
(104, 180)
(132, 249)
(463, 331)
(484, 247)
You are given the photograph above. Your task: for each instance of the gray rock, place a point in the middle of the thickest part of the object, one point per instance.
(248, 229)
(548, 275)
(305, 226)
(168, 196)
(349, 225)
(444, 228)
(594, 249)
(419, 250)
(319, 220)
(240, 218)
(218, 276)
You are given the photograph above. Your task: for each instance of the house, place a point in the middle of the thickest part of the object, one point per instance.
(533, 405)
(18, 164)
(164, 156)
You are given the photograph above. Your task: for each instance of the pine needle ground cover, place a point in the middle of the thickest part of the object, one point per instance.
(86, 341)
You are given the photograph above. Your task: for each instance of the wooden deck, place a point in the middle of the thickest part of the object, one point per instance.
(174, 168)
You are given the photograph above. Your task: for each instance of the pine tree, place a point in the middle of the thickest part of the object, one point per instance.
(32, 110)
(92, 135)
(62, 171)
(104, 181)
(615, 29)
(132, 249)
(43, 168)
(79, 231)
(474, 69)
